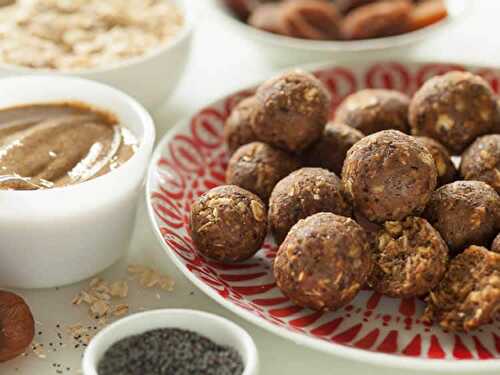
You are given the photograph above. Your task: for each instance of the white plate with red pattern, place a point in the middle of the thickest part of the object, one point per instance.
(191, 159)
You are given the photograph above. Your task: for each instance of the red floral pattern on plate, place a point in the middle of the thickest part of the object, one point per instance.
(194, 160)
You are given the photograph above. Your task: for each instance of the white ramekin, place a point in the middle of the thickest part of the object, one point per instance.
(216, 328)
(150, 79)
(59, 236)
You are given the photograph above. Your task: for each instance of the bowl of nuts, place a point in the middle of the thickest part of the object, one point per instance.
(139, 47)
(301, 31)
(351, 209)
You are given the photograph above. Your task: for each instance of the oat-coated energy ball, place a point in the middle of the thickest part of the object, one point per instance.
(237, 129)
(373, 110)
(330, 150)
(257, 167)
(389, 176)
(469, 294)
(446, 170)
(495, 246)
(380, 19)
(292, 111)
(410, 258)
(454, 108)
(465, 213)
(323, 262)
(301, 194)
(228, 223)
(481, 161)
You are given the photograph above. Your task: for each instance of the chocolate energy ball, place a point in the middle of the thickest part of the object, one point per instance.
(410, 258)
(301, 194)
(373, 110)
(389, 176)
(292, 111)
(228, 223)
(465, 213)
(454, 108)
(481, 161)
(237, 129)
(495, 246)
(323, 262)
(330, 151)
(380, 19)
(257, 167)
(469, 294)
(446, 170)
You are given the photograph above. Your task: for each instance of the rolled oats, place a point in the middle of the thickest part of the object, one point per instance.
(83, 34)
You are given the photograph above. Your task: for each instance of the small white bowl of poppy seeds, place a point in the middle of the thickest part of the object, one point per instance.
(171, 341)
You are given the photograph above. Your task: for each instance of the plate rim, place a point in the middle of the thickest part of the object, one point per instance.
(344, 351)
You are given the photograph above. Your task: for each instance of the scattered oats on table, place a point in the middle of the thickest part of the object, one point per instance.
(83, 34)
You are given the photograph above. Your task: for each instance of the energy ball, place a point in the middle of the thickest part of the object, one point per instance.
(257, 167)
(237, 129)
(389, 176)
(373, 110)
(323, 262)
(292, 111)
(454, 108)
(469, 294)
(465, 213)
(495, 246)
(410, 258)
(380, 19)
(481, 161)
(301, 194)
(330, 151)
(446, 170)
(228, 224)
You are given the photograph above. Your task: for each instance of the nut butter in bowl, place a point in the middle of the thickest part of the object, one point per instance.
(43, 146)
(73, 154)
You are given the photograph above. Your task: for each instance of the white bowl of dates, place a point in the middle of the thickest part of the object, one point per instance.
(380, 246)
(300, 31)
(171, 341)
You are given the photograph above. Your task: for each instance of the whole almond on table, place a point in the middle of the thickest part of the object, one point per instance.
(17, 326)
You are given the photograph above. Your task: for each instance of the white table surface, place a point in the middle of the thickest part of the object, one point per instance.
(222, 61)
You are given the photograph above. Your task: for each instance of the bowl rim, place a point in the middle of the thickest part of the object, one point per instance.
(190, 16)
(146, 144)
(351, 353)
(243, 336)
(463, 7)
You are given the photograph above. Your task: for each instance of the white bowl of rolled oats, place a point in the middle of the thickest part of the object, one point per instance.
(138, 46)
